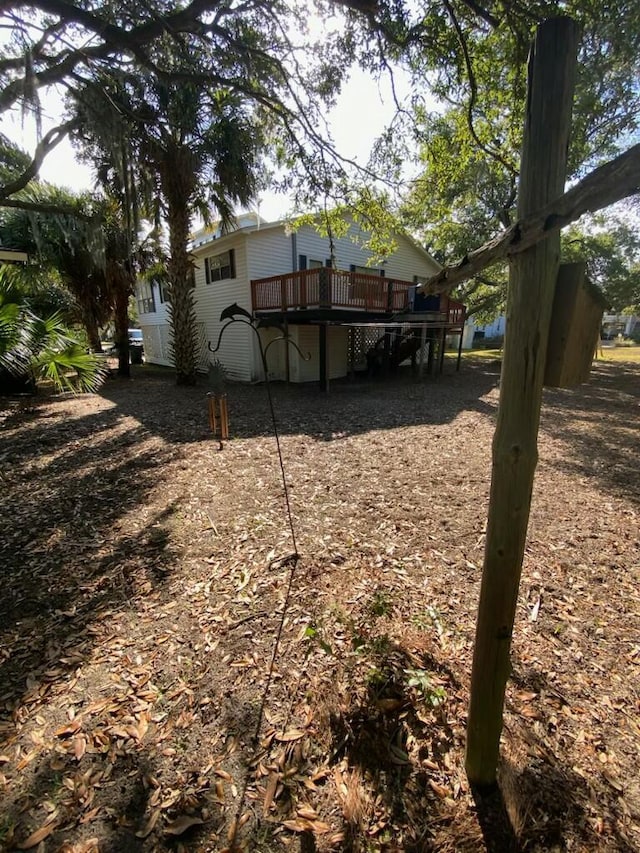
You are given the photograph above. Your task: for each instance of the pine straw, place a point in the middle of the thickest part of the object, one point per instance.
(145, 585)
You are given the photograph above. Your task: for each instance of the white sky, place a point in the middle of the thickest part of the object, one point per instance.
(363, 110)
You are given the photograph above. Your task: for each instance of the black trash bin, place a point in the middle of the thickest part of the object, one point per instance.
(136, 346)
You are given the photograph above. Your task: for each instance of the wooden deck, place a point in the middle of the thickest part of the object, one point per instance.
(324, 288)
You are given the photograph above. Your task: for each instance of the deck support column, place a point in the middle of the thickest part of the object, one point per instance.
(287, 360)
(324, 357)
(352, 352)
(386, 357)
(423, 342)
(443, 344)
(460, 344)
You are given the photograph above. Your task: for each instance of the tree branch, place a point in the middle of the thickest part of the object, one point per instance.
(45, 207)
(618, 179)
(46, 144)
(490, 152)
(483, 13)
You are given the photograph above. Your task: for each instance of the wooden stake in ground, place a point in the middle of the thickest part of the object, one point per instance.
(219, 417)
(531, 287)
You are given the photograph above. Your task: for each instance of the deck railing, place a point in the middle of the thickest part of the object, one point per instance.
(329, 288)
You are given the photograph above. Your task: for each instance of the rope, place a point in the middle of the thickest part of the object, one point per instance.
(290, 561)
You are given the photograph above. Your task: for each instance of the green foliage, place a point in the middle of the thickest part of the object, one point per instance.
(191, 145)
(13, 160)
(611, 249)
(421, 681)
(65, 244)
(429, 619)
(469, 152)
(314, 635)
(381, 603)
(41, 347)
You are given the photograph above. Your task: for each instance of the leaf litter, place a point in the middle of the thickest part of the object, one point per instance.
(147, 585)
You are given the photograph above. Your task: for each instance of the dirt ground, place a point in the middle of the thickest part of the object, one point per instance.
(172, 679)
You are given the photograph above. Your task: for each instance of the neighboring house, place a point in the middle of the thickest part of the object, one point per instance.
(619, 324)
(495, 329)
(336, 312)
(613, 325)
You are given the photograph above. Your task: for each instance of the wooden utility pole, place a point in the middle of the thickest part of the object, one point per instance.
(531, 288)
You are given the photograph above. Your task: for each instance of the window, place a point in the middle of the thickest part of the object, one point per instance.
(367, 270)
(219, 267)
(304, 263)
(144, 298)
(163, 288)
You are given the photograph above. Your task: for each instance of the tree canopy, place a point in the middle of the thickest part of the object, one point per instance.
(469, 152)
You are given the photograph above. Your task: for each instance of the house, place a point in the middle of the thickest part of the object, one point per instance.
(342, 312)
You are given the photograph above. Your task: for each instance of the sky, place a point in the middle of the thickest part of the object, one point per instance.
(363, 109)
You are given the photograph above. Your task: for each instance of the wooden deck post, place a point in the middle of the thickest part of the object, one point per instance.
(531, 286)
(423, 341)
(287, 359)
(324, 287)
(461, 341)
(323, 356)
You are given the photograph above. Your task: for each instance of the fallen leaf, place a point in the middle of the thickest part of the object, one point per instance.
(292, 734)
(182, 824)
(79, 746)
(28, 758)
(298, 825)
(272, 784)
(147, 829)
(440, 790)
(87, 817)
(36, 837)
(70, 729)
(613, 781)
(307, 812)
(388, 706)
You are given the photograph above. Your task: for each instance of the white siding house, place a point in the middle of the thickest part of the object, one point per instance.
(225, 266)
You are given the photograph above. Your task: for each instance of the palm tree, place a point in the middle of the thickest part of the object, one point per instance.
(105, 144)
(200, 146)
(70, 243)
(33, 347)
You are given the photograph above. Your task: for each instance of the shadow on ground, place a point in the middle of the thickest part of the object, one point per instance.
(70, 552)
(599, 424)
(352, 406)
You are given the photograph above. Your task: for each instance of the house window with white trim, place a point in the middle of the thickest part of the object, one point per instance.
(144, 297)
(219, 267)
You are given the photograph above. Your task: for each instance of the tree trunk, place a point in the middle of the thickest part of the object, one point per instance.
(91, 327)
(531, 287)
(122, 288)
(178, 183)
